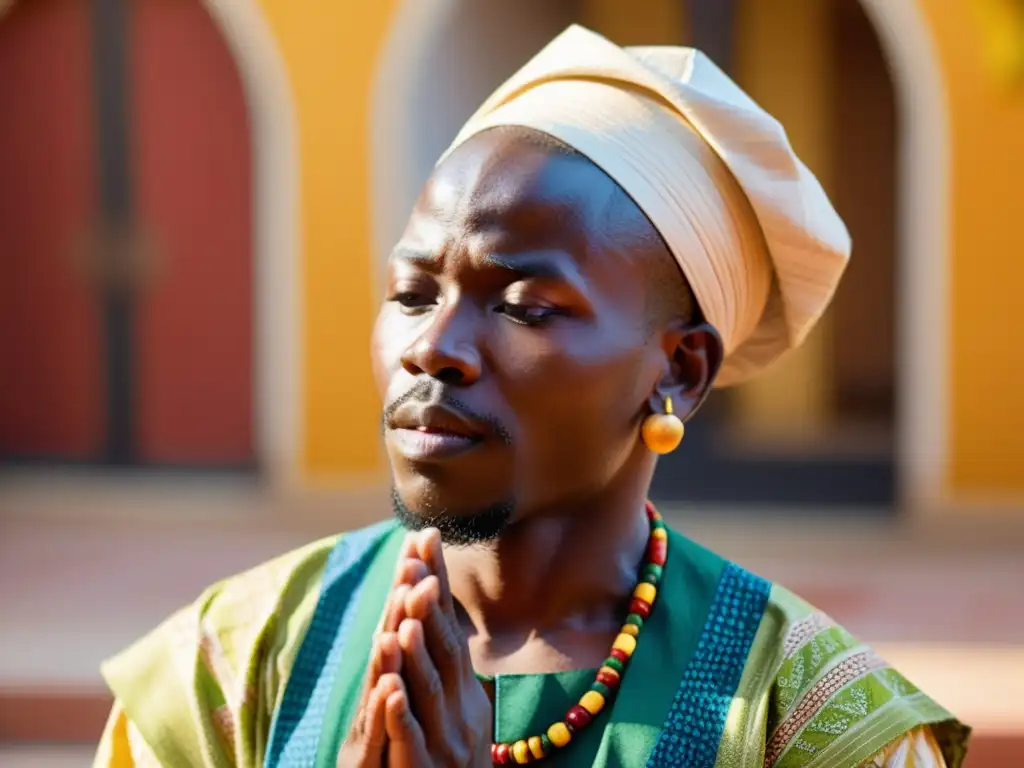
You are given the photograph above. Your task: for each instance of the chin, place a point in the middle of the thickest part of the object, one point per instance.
(462, 525)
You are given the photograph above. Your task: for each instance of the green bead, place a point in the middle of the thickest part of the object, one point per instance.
(635, 618)
(614, 663)
(659, 523)
(649, 579)
(651, 569)
(545, 744)
(602, 689)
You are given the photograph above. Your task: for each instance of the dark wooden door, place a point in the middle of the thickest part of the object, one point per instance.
(193, 193)
(126, 275)
(51, 367)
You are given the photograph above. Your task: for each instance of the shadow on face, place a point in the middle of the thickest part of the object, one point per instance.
(515, 349)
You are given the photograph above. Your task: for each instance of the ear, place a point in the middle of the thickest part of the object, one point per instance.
(695, 357)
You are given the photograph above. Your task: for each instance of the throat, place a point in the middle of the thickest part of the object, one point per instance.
(541, 655)
(528, 608)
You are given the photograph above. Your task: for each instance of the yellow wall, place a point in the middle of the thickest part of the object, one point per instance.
(654, 22)
(987, 275)
(331, 55)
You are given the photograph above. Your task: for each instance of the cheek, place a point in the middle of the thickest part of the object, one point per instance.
(581, 391)
(582, 426)
(387, 344)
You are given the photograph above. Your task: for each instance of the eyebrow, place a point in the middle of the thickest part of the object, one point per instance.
(538, 265)
(413, 256)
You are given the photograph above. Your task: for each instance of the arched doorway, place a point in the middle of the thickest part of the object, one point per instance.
(850, 456)
(126, 238)
(819, 429)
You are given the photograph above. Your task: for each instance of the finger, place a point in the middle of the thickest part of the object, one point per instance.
(430, 550)
(411, 570)
(408, 573)
(395, 610)
(376, 736)
(406, 745)
(372, 731)
(385, 658)
(423, 681)
(444, 639)
(390, 655)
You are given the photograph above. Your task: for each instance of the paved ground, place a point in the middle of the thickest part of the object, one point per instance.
(45, 757)
(945, 603)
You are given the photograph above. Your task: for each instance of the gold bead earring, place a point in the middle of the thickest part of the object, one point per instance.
(662, 432)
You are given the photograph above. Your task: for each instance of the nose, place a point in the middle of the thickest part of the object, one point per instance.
(447, 348)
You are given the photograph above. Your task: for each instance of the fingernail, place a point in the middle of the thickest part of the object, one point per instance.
(407, 628)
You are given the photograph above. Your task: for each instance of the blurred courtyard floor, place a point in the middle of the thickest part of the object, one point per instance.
(943, 601)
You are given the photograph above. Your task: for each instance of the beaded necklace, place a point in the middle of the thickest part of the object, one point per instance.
(606, 683)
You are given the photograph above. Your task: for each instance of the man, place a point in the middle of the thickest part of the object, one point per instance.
(611, 234)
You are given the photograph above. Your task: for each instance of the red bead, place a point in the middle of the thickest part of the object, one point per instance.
(617, 654)
(500, 754)
(640, 607)
(652, 513)
(612, 681)
(657, 551)
(578, 717)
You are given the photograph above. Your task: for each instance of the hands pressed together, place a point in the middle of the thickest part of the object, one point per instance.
(422, 706)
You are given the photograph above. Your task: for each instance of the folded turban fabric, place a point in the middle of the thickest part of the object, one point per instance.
(751, 228)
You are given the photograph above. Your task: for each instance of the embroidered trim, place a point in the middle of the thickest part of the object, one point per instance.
(224, 724)
(212, 654)
(817, 696)
(803, 631)
(295, 733)
(691, 734)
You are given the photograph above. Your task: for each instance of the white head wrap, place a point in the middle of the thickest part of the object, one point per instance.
(751, 228)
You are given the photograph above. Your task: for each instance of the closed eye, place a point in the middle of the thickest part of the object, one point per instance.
(528, 314)
(412, 299)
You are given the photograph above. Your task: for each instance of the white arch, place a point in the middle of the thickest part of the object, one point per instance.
(276, 238)
(923, 248)
(415, 115)
(402, 96)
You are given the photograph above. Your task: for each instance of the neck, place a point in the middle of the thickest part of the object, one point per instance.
(570, 568)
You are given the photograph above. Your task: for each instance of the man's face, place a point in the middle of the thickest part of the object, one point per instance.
(512, 351)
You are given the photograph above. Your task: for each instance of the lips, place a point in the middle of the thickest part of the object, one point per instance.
(433, 432)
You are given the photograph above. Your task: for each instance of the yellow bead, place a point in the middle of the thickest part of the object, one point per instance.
(645, 592)
(559, 734)
(521, 752)
(630, 629)
(535, 747)
(592, 701)
(625, 643)
(659, 533)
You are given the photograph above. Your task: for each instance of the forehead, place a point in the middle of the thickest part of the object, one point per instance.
(521, 190)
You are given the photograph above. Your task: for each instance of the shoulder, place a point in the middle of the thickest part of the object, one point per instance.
(832, 699)
(735, 595)
(205, 683)
(231, 614)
